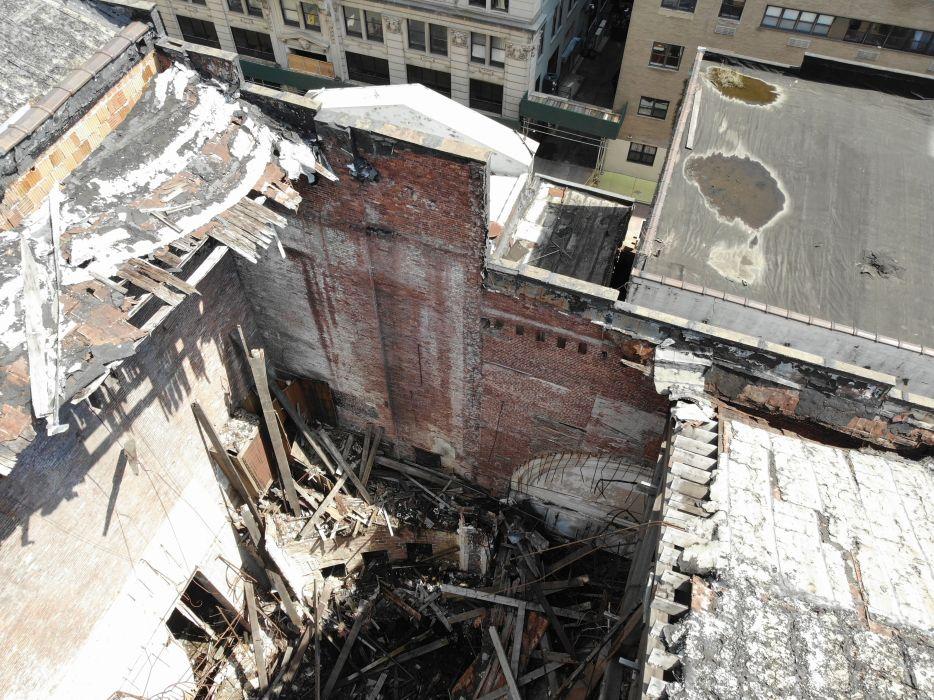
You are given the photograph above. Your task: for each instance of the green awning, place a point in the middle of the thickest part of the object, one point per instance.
(577, 116)
(276, 75)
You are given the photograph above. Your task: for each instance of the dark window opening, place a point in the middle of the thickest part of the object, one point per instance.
(416, 31)
(486, 96)
(338, 570)
(497, 324)
(641, 153)
(253, 44)
(582, 348)
(309, 54)
(367, 69)
(520, 330)
(374, 25)
(377, 558)
(484, 323)
(438, 39)
(732, 9)
(651, 107)
(353, 26)
(666, 55)
(604, 354)
(540, 336)
(683, 5)
(428, 459)
(561, 343)
(417, 551)
(434, 79)
(197, 31)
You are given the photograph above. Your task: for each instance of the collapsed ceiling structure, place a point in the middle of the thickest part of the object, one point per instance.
(330, 395)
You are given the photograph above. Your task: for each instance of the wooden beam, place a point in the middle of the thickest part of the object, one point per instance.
(503, 600)
(472, 614)
(322, 507)
(362, 613)
(290, 609)
(257, 360)
(224, 459)
(342, 463)
(255, 636)
(517, 640)
(400, 658)
(504, 665)
(374, 445)
(574, 556)
(402, 605)
(287, 674)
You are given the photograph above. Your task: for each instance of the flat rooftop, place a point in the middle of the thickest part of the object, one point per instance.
(813, 576)
(568, 230)
(810, 196)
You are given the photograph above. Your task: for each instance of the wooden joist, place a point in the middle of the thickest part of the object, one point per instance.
(157, 289)
(504, 600)
(322, 507)
(256, 209)
(504, 665)
(362, 614)
(255, 636)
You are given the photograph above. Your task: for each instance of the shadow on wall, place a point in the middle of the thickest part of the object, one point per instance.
(135, 422)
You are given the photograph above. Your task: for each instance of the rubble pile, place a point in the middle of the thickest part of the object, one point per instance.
(375, 577)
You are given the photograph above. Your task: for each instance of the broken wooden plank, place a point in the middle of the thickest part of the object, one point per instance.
(362, 614)
(517, 640)
(547, 669)
(257, 360)
(503, 600)
(255, 636)
(251, 207)
(160, 275)
(402, 605)
(576, 555)
(157, 289)
(288, 671)
(251, 526)
(311, 439)
(374, 445)
(504, 665)
(319, 511)
(342, 464)
(218, 233)
(224, 460)
(398, 658)
(471, 614)
(157, 215)
(290, 609)
(434, 496)
(373, 694)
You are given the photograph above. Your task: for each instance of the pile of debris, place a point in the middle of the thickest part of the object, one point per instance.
(381, 578)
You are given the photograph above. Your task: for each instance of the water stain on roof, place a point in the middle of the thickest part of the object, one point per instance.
(742, 87)
(737, 188)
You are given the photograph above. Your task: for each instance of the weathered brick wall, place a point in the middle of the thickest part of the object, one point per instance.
(379, 293)
(89, 539)
(553, 383)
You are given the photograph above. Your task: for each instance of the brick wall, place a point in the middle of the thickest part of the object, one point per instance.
(86, 536)
(350, 551)
(553, 383)
(25, 195)
(379, 293)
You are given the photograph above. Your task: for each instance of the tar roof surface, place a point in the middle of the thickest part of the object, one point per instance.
(40, 41)
(818, 202)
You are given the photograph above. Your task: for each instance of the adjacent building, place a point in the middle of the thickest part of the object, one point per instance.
(483, 53)
(664, 36)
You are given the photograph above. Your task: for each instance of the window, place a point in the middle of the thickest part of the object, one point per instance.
(438, 39)
(520, 330)
(486, 96)
(499, 5)
(541, 43)
(254, 8)
(477, 47)
(434, 79)
(253, 44)
(561, 342)
(198, 31)
(497, 51)
(353, 26)
(374, 25)
(290, 12)
(582, 348)
(478, 3)
(481, 43)
(641, 153)
(556, 20)
(235, 6)
(666, 55)
(650, 107)
(311, 15)
(540, 336)
(367, 69)
(683, 5)
(732, 9)
(416, 32)
(796, 21)
(885, 36)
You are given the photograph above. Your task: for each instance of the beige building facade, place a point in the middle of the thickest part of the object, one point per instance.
(664, 36)
(486, 54)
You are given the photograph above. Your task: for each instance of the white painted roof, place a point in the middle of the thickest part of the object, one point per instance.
(416, 114)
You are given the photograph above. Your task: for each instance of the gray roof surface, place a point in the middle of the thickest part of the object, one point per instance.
(41, 41)
(819, 202)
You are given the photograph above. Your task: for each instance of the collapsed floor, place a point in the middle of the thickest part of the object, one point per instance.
(376, 577)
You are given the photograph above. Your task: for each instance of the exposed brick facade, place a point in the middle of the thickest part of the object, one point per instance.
(24, 196)
(539, 397)
(380, 291)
